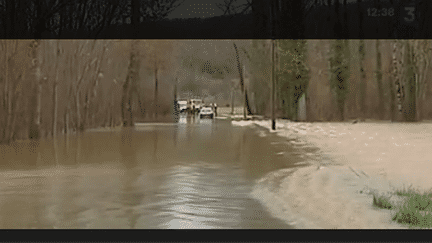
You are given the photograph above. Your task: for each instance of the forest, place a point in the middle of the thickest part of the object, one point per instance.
(52, 86)
(344, 79)
(63, 86)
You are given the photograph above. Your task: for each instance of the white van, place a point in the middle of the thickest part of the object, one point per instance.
(182, 105)
(196, 103)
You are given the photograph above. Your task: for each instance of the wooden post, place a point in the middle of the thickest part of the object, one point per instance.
(273, 90)
(156, 95)
(232, 100)
(244, 95)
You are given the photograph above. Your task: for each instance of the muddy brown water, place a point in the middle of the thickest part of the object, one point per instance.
(197, 173)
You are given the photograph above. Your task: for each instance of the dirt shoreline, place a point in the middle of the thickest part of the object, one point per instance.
(323, 196)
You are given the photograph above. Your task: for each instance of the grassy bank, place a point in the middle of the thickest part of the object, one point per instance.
(410, 206)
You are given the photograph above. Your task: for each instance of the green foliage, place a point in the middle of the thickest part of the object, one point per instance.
(339, 72)
(293, 74)
(406, 191)
(411, 206)
(382, 201)
(416, 211)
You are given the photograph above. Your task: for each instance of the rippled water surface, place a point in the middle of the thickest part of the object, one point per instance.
(193, 174)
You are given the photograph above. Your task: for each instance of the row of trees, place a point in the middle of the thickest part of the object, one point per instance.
(48, 86)
(51, 86)
(342, 79)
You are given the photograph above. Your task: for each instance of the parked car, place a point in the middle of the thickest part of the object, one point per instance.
(182, 105)
(195, 105)
(206, 112)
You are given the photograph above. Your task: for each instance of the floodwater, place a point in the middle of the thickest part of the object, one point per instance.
(197, 173)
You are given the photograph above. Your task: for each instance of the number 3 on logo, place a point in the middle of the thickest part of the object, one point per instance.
(410, 12)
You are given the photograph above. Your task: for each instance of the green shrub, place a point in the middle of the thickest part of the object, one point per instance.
(406, 191)
(407, 214)
(382, 201)
(416, 210)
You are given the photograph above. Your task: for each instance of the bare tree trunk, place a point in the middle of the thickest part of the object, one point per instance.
(249, 110)
(78, 149)
(54, 121)
(363, 81)
(156, 95)
(55, 150)
(92, 92)
(111, 109)
(273, 89)
(86, 109)
(129, 112)
(411, 96)
(78, 111)
(126, 94)
(393, 83)
(396, 84)
(242, 84)
(141, 107)
(125, 98)
(14, 105)
(35, 126)
(7, 100)
(55, 105)
(381, 109)
(232, 101)
(413, 88)
(66, 121)
(244, 102)
(392, 99)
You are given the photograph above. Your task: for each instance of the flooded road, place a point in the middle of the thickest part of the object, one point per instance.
(197, 173)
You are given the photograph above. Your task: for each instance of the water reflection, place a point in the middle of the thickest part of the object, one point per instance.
(130, 195)
(196, 201)
(67, 205)
(22, 206)
(197, 173)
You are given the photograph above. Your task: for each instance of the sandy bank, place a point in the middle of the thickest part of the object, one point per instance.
(379, 156)
(328, 198)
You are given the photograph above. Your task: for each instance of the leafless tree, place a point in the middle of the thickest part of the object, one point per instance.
(130, 84)
(58, 51)
(242, 84)
(36, 55)
(159, 56)
(13, 79)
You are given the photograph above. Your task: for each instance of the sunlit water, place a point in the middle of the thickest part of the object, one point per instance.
(194, 174)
